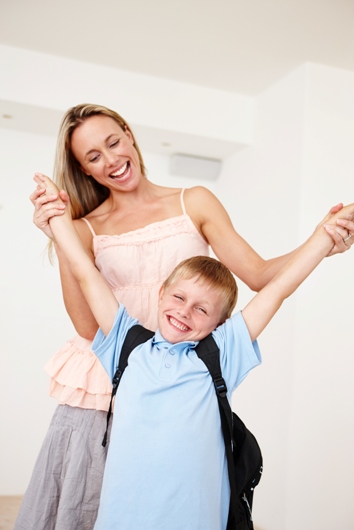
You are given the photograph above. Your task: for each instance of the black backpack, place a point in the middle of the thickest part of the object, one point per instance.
(244, 457)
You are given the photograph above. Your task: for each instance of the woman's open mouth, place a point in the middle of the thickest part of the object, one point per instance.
(122, 173)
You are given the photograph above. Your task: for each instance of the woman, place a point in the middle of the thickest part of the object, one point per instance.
(135, 232)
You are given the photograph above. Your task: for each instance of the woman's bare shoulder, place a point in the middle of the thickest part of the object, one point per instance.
(199, 192)
(199, 195)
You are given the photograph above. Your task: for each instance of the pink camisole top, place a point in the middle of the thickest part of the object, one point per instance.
(135, 264)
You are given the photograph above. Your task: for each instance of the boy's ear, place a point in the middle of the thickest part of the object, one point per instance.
(161, 291)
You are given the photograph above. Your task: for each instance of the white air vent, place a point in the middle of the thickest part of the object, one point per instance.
(194, 166)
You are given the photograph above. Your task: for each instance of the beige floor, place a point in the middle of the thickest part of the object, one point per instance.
(9, 507)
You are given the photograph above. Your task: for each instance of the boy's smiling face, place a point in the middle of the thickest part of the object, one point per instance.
(189, 309)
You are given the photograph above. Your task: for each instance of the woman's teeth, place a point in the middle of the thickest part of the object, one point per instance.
(120, 172)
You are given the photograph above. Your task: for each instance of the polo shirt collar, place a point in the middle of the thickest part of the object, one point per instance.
(160, 341)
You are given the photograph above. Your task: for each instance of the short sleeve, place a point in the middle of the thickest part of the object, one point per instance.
(108, 348)
(238, 354)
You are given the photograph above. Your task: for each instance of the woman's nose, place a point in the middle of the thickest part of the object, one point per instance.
(110, 158)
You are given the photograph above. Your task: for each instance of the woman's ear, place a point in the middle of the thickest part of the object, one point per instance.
(129, 134)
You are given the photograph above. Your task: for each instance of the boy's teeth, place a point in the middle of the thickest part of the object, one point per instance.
(120, 172)
(178, 325)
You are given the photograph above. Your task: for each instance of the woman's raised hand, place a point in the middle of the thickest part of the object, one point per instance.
(48, 202)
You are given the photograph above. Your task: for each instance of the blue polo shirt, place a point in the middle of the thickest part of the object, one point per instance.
(166, 466)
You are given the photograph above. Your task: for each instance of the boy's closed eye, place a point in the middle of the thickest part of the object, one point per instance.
(198, 308)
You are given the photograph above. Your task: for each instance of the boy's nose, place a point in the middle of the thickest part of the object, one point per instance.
(184, 312)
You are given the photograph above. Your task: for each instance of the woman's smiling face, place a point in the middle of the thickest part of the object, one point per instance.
(106, 152)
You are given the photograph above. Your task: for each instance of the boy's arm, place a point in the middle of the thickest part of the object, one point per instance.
(261, 309)
(97, 292)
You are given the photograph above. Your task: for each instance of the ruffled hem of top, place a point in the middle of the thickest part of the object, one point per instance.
(77, 397)
(77, 377)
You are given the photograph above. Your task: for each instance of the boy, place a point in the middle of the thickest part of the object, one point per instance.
(166, 466)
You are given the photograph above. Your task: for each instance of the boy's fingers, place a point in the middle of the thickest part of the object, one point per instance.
(35, 195)
(336, 208)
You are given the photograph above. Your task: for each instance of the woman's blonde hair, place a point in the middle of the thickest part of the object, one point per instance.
(84, 192)
(214, 273)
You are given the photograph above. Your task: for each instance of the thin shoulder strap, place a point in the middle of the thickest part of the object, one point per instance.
(89, 225)
(136, 335)
(182, 202)
(208, 351)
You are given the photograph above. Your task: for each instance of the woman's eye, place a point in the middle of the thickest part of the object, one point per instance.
(114, 143)
(94, 158)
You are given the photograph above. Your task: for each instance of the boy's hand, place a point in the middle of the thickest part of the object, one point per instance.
(48, 202)
(339, 224)
(45, 183)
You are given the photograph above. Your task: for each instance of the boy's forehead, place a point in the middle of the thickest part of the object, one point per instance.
(183, 279)
(196, 281)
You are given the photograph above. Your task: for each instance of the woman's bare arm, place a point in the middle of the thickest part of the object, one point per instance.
(261, 309)
(214, 223)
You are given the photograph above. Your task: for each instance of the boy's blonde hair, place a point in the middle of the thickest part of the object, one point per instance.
(212, 272)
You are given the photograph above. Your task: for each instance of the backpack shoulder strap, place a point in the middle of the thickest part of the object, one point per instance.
(136, 335)
(208, 351)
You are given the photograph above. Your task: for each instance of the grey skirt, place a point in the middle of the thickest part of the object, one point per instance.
(64, 490)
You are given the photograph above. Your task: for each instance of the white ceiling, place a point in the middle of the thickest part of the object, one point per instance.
(242, 46)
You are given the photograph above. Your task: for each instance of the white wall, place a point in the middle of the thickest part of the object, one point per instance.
(298, 403)
(33, 319)
(214, 122)
(322, 415)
